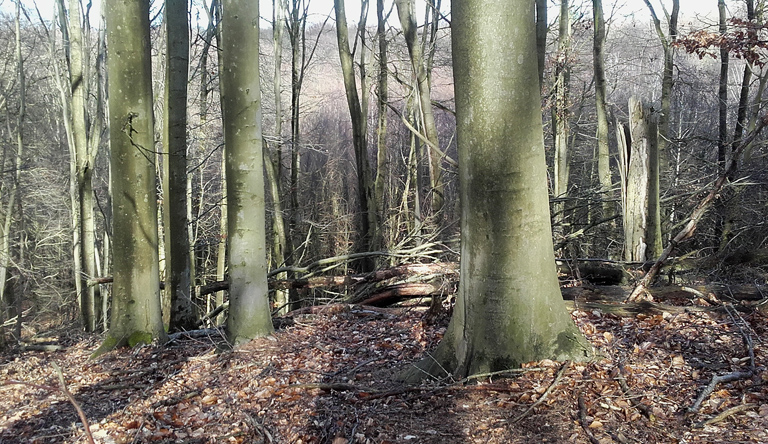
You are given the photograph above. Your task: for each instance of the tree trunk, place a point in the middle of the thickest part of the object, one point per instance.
(249, 313)
(177, 253)
(382, 88)
(509, 309)
(541, 37)
(603, 152)
(636, 187)
(405, 10)
(136, 316)
(560, 115)
(368, 216)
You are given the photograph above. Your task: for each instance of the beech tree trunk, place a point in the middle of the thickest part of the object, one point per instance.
(509, 309)
(178, 284)
(603, 152)
(136, 315)
(368, 215)
(249, 311)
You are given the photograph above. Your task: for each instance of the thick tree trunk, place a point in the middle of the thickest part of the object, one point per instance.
(136, 317)
(249, 312)
(509, 309)
(178, 285)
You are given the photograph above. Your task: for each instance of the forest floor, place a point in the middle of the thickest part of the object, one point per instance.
(328, 378)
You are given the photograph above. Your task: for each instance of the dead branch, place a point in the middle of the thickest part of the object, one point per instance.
(690, 227)
(730, 412)
(65, 392)
(74, 403)
(584, 422)
(554, 383)
(717, 379)
(642, 408)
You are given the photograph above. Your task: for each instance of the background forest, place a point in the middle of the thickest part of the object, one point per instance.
(701, 78)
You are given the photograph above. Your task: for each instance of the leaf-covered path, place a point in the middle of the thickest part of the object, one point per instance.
(328, 378)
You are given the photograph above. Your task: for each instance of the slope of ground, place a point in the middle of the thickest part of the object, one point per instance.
(328, 378)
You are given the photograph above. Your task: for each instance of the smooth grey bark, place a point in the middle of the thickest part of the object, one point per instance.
(249, 312)
(382, 89)
(90, 298)
(541, 37)
(722, 94)
(273, 161)
(667, 80)
(178, 283)
(509, 309)
(136, 315)
(601, 114)
(12, 299)
(365, 192)
(561, 113)
(405, 10)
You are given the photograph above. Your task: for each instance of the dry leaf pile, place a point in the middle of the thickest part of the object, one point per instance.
(328, 378)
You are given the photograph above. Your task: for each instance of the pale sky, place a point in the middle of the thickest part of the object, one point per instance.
(319, 9)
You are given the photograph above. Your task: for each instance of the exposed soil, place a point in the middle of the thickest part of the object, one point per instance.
(328, 378)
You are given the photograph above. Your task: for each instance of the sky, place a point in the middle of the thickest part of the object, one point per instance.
(319, 9)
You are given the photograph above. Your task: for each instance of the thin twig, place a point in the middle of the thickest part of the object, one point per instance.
(551, 387)
(74, 403)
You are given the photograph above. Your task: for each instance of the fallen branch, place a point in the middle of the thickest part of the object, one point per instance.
(584, 422)
(697, 214)
(717, 379)
(554, 383)
(65, 392)
(730, 412)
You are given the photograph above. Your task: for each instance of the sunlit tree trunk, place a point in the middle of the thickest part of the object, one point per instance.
(136, 315)
(561, 113)
(603, 152)
(249, 313)
(667, 81)
(368, 216)
(13, 299)
(541, 37)
(273, 161)
(405, 10)
(509, 309)
(178, 283)
(382, 88)
(636, 174)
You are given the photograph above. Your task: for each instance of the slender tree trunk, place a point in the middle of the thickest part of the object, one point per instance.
(368, 217)
(561, 114)
(722, 94)
(603, 152)
(273, 161)
(136, 314)
(177, 253)
(541, 38)
(382, 162)
(509, 309)
(405, 9)
(249, 313)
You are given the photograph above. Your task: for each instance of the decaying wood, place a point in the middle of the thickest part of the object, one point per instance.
(690, 227)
